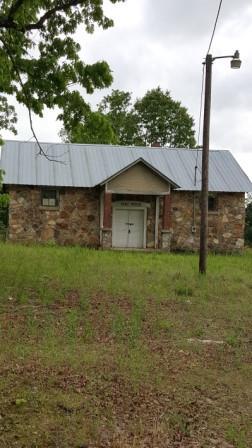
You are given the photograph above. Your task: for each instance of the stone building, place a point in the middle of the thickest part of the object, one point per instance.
(121, 197)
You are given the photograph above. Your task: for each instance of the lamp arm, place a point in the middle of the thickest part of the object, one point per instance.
(223, 57)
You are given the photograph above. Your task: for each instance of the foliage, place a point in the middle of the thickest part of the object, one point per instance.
(248, 199)
(163, 120)
(2, 173)
(154, 118)
(4, 200)
(248, 224)
(39, 58)
(94, 128)
(1, 179)
(8, 116)
(4, 204)
(117, 107)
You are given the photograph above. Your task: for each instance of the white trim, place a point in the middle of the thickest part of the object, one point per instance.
(143, 193)
(101, 214)
(144, 208)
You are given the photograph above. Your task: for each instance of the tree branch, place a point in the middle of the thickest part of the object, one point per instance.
(9, 23)
(39, 24)
(41, 150)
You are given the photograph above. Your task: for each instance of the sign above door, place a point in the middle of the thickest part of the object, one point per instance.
(129, 204)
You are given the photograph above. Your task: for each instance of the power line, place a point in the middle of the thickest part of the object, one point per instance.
(215, 25)
(201, 102)
(202, 91)
(199, 124)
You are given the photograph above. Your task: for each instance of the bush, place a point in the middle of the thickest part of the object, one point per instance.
(4, 204)
(248, 225)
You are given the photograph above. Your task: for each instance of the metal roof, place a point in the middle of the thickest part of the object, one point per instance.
(78, 165)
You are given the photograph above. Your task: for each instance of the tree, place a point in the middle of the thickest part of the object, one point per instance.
(113, 123)
(154, 118)
(39, 58)
(94, 128)
(4, 204)
(118, 109)
(248, 221)
(163, 120)
(8, 117)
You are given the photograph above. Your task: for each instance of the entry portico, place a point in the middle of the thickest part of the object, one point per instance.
(136, 208)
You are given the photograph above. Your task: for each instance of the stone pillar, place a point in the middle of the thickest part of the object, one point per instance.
(107, 222)
(167, 224)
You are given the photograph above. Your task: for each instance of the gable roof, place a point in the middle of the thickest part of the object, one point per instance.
(148, 165)
(90, 165)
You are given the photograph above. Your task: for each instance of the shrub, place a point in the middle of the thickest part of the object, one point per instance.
(248, 225)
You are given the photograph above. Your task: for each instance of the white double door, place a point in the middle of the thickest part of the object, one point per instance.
(128, 228)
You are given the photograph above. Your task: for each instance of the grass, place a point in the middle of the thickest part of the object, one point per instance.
(104, 349)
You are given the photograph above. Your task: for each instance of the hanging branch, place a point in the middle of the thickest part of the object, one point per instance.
(9, 23)
(41, 150)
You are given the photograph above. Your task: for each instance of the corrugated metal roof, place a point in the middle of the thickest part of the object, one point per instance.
(90, 165)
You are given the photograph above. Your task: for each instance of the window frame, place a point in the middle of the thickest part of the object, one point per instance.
(54, 197)
(214, 198)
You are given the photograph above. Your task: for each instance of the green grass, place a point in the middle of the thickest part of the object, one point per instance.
(103, 349)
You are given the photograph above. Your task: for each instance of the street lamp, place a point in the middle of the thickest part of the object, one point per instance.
(235, 63)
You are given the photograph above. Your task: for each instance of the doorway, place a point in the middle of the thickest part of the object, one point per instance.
(128, 228)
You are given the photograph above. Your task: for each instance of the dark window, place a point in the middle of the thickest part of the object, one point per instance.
(212, 203)
(49, 198)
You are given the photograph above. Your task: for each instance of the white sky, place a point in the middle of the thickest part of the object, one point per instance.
(162, 43)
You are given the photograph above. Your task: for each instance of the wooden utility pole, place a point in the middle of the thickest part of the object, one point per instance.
(205, 167)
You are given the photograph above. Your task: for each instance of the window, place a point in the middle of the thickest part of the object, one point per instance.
(49, 198)
(212, 203)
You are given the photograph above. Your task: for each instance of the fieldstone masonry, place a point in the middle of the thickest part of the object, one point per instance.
(226, 224)
(166, 240)
(77, 219)
(106, 241)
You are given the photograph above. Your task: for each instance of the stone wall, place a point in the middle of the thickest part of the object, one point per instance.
(75, 221)
(226, 224)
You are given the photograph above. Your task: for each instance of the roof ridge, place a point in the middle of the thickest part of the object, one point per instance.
(109, 145)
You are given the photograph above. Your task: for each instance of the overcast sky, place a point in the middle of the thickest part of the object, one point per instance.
(162, 43)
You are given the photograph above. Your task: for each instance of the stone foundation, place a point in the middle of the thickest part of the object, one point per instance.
(106, 239)
(166, 240)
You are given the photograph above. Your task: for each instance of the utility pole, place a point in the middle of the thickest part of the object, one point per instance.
(236, 64)
(205, 167)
